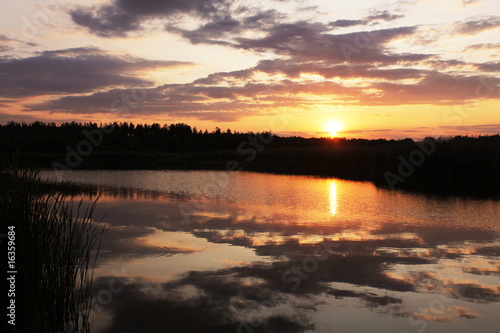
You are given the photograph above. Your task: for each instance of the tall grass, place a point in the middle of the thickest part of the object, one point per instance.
(57, 244)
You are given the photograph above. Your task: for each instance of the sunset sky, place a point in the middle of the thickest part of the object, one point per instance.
(360, 68)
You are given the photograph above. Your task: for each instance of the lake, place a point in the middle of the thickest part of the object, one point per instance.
(215, 251)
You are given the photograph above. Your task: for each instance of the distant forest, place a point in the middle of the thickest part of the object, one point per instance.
(447, 165)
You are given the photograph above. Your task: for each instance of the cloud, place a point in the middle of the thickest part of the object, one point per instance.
(476, 26)
(375, 17)
(383, 15)
(106, 21)
(215, 300)
(221, 23)
(489, 66)
(124, 16)
(8, 44)
(435, 88)
(229, 96)
(302, 48)
(4, 43)
(484, 46)
(77, 70)
(307, 41)
(223, 29)
(488, 129)
(469, 2)
(6, 117)
(342, 23)
(127, 242)
(294, 69)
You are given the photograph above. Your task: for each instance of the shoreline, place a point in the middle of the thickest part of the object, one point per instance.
(461, 165)
(439, 193)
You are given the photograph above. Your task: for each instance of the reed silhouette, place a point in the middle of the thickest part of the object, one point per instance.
(57, 244)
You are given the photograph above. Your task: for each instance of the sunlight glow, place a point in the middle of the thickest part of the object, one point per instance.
(333, 127)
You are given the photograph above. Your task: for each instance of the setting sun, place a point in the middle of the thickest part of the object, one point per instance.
(333, 127)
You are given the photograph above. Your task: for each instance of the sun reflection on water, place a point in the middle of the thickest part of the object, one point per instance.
(333, 199)
(398, 254)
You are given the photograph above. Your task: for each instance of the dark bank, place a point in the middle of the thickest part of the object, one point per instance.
(459, 165)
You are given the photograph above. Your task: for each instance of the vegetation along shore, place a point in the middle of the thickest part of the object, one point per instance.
(53, 245)
(459, 165)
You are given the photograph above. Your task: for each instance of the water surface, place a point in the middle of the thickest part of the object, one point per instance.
(212, 251)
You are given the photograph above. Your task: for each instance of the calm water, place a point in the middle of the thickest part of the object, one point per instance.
(203, 251)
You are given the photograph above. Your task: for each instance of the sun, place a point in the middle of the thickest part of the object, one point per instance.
(333, 127)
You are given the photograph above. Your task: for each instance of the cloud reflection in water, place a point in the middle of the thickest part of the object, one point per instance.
(403, 261)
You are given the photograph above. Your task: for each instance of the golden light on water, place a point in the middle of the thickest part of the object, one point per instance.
(333, 198)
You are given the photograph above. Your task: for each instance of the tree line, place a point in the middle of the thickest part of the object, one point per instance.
(50, 137)
(451, 165)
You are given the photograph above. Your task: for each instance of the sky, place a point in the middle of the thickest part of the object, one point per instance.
(356, 69)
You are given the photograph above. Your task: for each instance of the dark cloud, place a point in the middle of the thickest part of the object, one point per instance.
(224, 25)
(176, 309)
(435, 88)
(203, 8)
(303, 48)
(4, 43)
(384, 15)
(226, 300)
(9, 44)
(294, 69)
(307, 41)
(210, 33)
(486, 46)
(485, 129)
(7, 117)
(489, 66)
(475, 129)
(213, 97)
(125, 243)
(346, 23)
(447, 65)
(76, 70)
(224, 29)
(106, 21)
(372, 18)
(476, 26)
(204, 102)
(124, 16)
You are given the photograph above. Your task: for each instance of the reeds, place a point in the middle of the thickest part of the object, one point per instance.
(57, 244)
